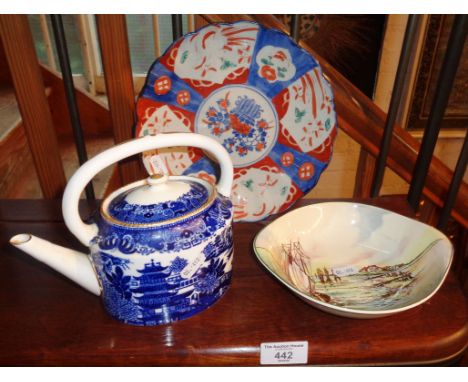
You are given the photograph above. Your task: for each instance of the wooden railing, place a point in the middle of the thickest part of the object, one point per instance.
(115, 54)
(358, 116)
(30, 93)
(364, 122)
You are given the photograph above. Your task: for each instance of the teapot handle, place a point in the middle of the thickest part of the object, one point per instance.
(86, 232)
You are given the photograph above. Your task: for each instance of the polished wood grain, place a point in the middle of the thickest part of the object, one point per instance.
(364, 175)
(364, 121)
(15, 159)
(200, 22)
(5, 77)
(30, 93)
(113, 184)
(115, 55)
(47, 320)
(9, 112)
(94, 115)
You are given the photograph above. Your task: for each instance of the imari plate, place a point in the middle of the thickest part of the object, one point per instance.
(260, 95)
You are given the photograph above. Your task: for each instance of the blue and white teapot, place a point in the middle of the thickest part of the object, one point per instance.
(161, 248)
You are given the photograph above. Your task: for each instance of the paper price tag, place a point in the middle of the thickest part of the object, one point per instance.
(284, 353)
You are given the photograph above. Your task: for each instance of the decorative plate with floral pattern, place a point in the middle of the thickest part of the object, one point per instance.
(260, 95)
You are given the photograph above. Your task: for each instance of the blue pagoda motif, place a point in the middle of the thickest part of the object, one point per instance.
(161, 298)
(158, 294)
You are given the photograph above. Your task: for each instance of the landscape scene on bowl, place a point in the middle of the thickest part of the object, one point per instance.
(371, 287)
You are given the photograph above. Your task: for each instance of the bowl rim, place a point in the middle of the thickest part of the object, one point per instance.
(351, 310)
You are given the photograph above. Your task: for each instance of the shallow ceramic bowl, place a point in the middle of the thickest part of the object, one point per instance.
(355, 260)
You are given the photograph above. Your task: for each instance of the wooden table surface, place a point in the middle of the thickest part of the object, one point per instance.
(47, 320)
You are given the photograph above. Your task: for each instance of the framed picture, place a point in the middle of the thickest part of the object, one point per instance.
(435, 36)
(350, 43)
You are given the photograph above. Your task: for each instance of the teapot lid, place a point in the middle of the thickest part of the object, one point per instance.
(157, 200)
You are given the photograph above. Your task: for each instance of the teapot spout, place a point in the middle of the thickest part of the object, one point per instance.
(72, 264)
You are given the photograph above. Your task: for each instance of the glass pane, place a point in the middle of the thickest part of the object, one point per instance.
(95, 43)
(185, 24)
(52, 42)
(165, 30)
(141, 41)
(72, 34)
(39, 43)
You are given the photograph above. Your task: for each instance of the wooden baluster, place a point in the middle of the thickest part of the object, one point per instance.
(364, 175)
(30, 94)
(115, 55)
(200, 21)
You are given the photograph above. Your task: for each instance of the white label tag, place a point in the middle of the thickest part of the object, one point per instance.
(193, 266)
(284, 353)
(345, 271)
